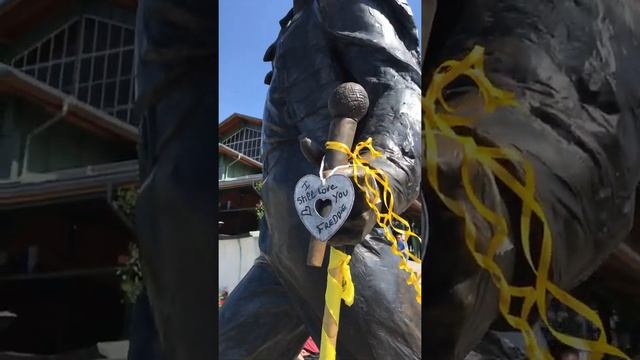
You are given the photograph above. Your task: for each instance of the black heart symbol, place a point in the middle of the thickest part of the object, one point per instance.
(323, 207)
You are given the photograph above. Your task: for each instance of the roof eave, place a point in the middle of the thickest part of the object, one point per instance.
(235, 120)
(249, 180)
(65, 184)
(78, 113)
(225, 150)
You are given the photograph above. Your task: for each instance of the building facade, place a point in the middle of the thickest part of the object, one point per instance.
(67, 145)
(239, 204)
(239, 174)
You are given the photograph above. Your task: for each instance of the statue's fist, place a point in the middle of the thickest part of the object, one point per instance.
(361, 220)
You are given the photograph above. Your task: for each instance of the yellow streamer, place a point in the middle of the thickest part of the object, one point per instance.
(537, 294)
(339, 287)
(339, 283)
(385, 219)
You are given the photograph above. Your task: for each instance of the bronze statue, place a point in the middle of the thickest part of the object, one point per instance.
(279, 303)
(573, 68)
(176, 94)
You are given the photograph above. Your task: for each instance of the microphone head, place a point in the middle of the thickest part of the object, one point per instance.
(349, 100)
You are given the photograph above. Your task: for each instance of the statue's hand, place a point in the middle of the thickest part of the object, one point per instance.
(361, 219)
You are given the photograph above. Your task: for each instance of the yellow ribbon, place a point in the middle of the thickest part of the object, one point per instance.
(339, 283)
(537, 294)
(339, 287)
(385, 219)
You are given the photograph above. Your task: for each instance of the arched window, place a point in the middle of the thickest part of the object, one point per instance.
(246, 141)
(90, 58)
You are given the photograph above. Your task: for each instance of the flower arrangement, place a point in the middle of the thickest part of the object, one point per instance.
(131, 274)
(222, 297)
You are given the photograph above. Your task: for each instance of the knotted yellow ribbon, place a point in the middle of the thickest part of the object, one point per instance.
(488, 157)
(384, 219)
(339, 287)
(339, 283)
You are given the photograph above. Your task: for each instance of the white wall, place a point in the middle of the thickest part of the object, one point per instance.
(235, 257)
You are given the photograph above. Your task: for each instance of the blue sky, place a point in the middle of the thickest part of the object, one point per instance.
(246, 29)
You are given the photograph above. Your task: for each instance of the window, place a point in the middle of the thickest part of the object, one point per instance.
(246, 141)
(89, 58)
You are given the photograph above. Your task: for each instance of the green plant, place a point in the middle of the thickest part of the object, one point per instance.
(260, 210)
(258, 186)
(125, 200)
(260, 205)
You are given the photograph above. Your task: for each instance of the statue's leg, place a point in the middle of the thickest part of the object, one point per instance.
(175, 213)
(143, 336)
(258, 320)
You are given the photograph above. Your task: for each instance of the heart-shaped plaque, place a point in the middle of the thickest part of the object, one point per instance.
(323, 208)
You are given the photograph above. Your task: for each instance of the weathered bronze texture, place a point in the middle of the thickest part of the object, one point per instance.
(175, 215)
(573, 66)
